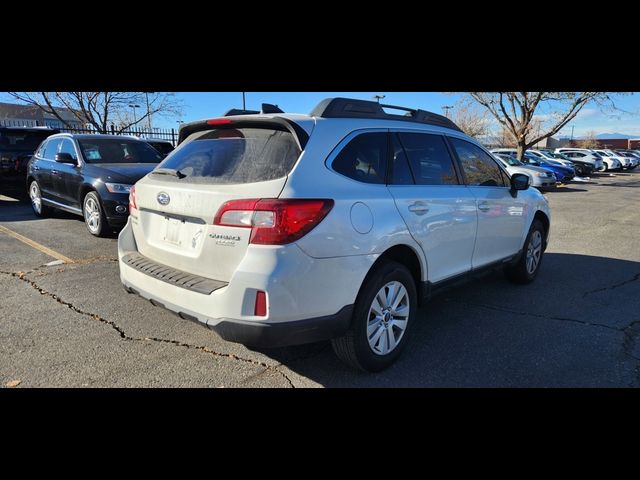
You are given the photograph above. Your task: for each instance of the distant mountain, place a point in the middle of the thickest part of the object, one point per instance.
(609, 136)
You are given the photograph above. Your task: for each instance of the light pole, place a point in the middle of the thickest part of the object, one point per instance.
(572, 127)
(134, 106)
(146, 96)
(379, 97)
(244, 101)
(446, 109)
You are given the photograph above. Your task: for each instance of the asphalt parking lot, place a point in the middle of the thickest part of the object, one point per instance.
(578, 325)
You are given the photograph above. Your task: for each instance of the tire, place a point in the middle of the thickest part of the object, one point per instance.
(35, 195)
(528, 265)
(355, 348)
(579, 170)
(94, 217)
(606, 167)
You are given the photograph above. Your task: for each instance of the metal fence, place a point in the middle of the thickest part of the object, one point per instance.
(169, 134)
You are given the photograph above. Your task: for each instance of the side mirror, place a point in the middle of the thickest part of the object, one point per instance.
(65, 158)
(519, 182)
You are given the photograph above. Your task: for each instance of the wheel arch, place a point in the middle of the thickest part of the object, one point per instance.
(409, 257)
(546, 222)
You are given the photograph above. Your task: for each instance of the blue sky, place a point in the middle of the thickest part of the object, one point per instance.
(199, 105)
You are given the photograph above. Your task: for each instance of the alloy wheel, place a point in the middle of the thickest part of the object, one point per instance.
(388, 318)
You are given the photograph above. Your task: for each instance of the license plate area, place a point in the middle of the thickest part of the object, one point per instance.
(173, 230)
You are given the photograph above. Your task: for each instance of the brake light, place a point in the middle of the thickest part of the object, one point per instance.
(272, 221)
(219, 121)
(132, 200)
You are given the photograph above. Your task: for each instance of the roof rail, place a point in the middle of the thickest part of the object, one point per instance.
(353, 108)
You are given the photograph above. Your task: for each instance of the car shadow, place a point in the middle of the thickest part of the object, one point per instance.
(566, 329)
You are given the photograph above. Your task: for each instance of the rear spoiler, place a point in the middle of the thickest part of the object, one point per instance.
(277, 123)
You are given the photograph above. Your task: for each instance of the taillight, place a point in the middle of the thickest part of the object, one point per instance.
(272, 221)
(132, 200)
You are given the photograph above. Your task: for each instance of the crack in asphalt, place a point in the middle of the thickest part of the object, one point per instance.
(539, 315)
(630, 332)
(635, 278)
(23, 277)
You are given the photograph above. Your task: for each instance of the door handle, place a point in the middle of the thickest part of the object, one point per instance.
(484, 207)
(54, 172)
(35, 167)
(419, 208)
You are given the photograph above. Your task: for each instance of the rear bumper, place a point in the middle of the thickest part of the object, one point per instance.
(263, 334)
(288, 333)
(308, 299)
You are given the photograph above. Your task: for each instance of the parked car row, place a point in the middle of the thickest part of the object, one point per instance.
(18, 144)
(283, 229)
(566, 163)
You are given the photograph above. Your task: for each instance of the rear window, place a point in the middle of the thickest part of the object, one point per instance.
(235, 156)
(163, 147)
(22, 140)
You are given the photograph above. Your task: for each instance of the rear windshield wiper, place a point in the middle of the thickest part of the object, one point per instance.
(169, 171)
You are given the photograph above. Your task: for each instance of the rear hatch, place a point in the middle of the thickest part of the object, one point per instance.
(176, 203)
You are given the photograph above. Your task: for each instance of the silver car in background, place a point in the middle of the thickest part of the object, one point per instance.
(539, 178)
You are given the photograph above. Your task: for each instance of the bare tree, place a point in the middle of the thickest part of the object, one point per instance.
(471, 120)
(515, 112)
(101, 109)
(590, 140)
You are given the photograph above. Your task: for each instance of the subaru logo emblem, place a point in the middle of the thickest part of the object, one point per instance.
(163, 198)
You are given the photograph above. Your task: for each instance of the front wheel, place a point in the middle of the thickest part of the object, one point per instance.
(94, 217)
(527, 267)
(383, 316)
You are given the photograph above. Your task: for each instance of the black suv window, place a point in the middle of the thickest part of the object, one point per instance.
(429, 159)
(479, 168)
(67, 147)
(117, 150)
(52, 148)
(364, 158)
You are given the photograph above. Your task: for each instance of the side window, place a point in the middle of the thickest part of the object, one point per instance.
(52, 148)
(67, 147)
(429, 159)
(579, 155)
(400, 171)
(40, 151)
(364, 158)
(479, 168)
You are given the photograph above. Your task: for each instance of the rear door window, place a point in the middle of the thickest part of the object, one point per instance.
(429, 159)
(235, 156)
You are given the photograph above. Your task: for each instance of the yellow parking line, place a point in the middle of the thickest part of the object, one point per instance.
(36, 245)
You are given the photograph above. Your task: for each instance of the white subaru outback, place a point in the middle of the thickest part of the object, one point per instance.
(275, 229)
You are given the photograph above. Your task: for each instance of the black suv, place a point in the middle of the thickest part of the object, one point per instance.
(89, 175)
(17, 145)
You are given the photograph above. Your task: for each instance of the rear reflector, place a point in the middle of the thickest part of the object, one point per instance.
(260, 310)
(273, 221)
